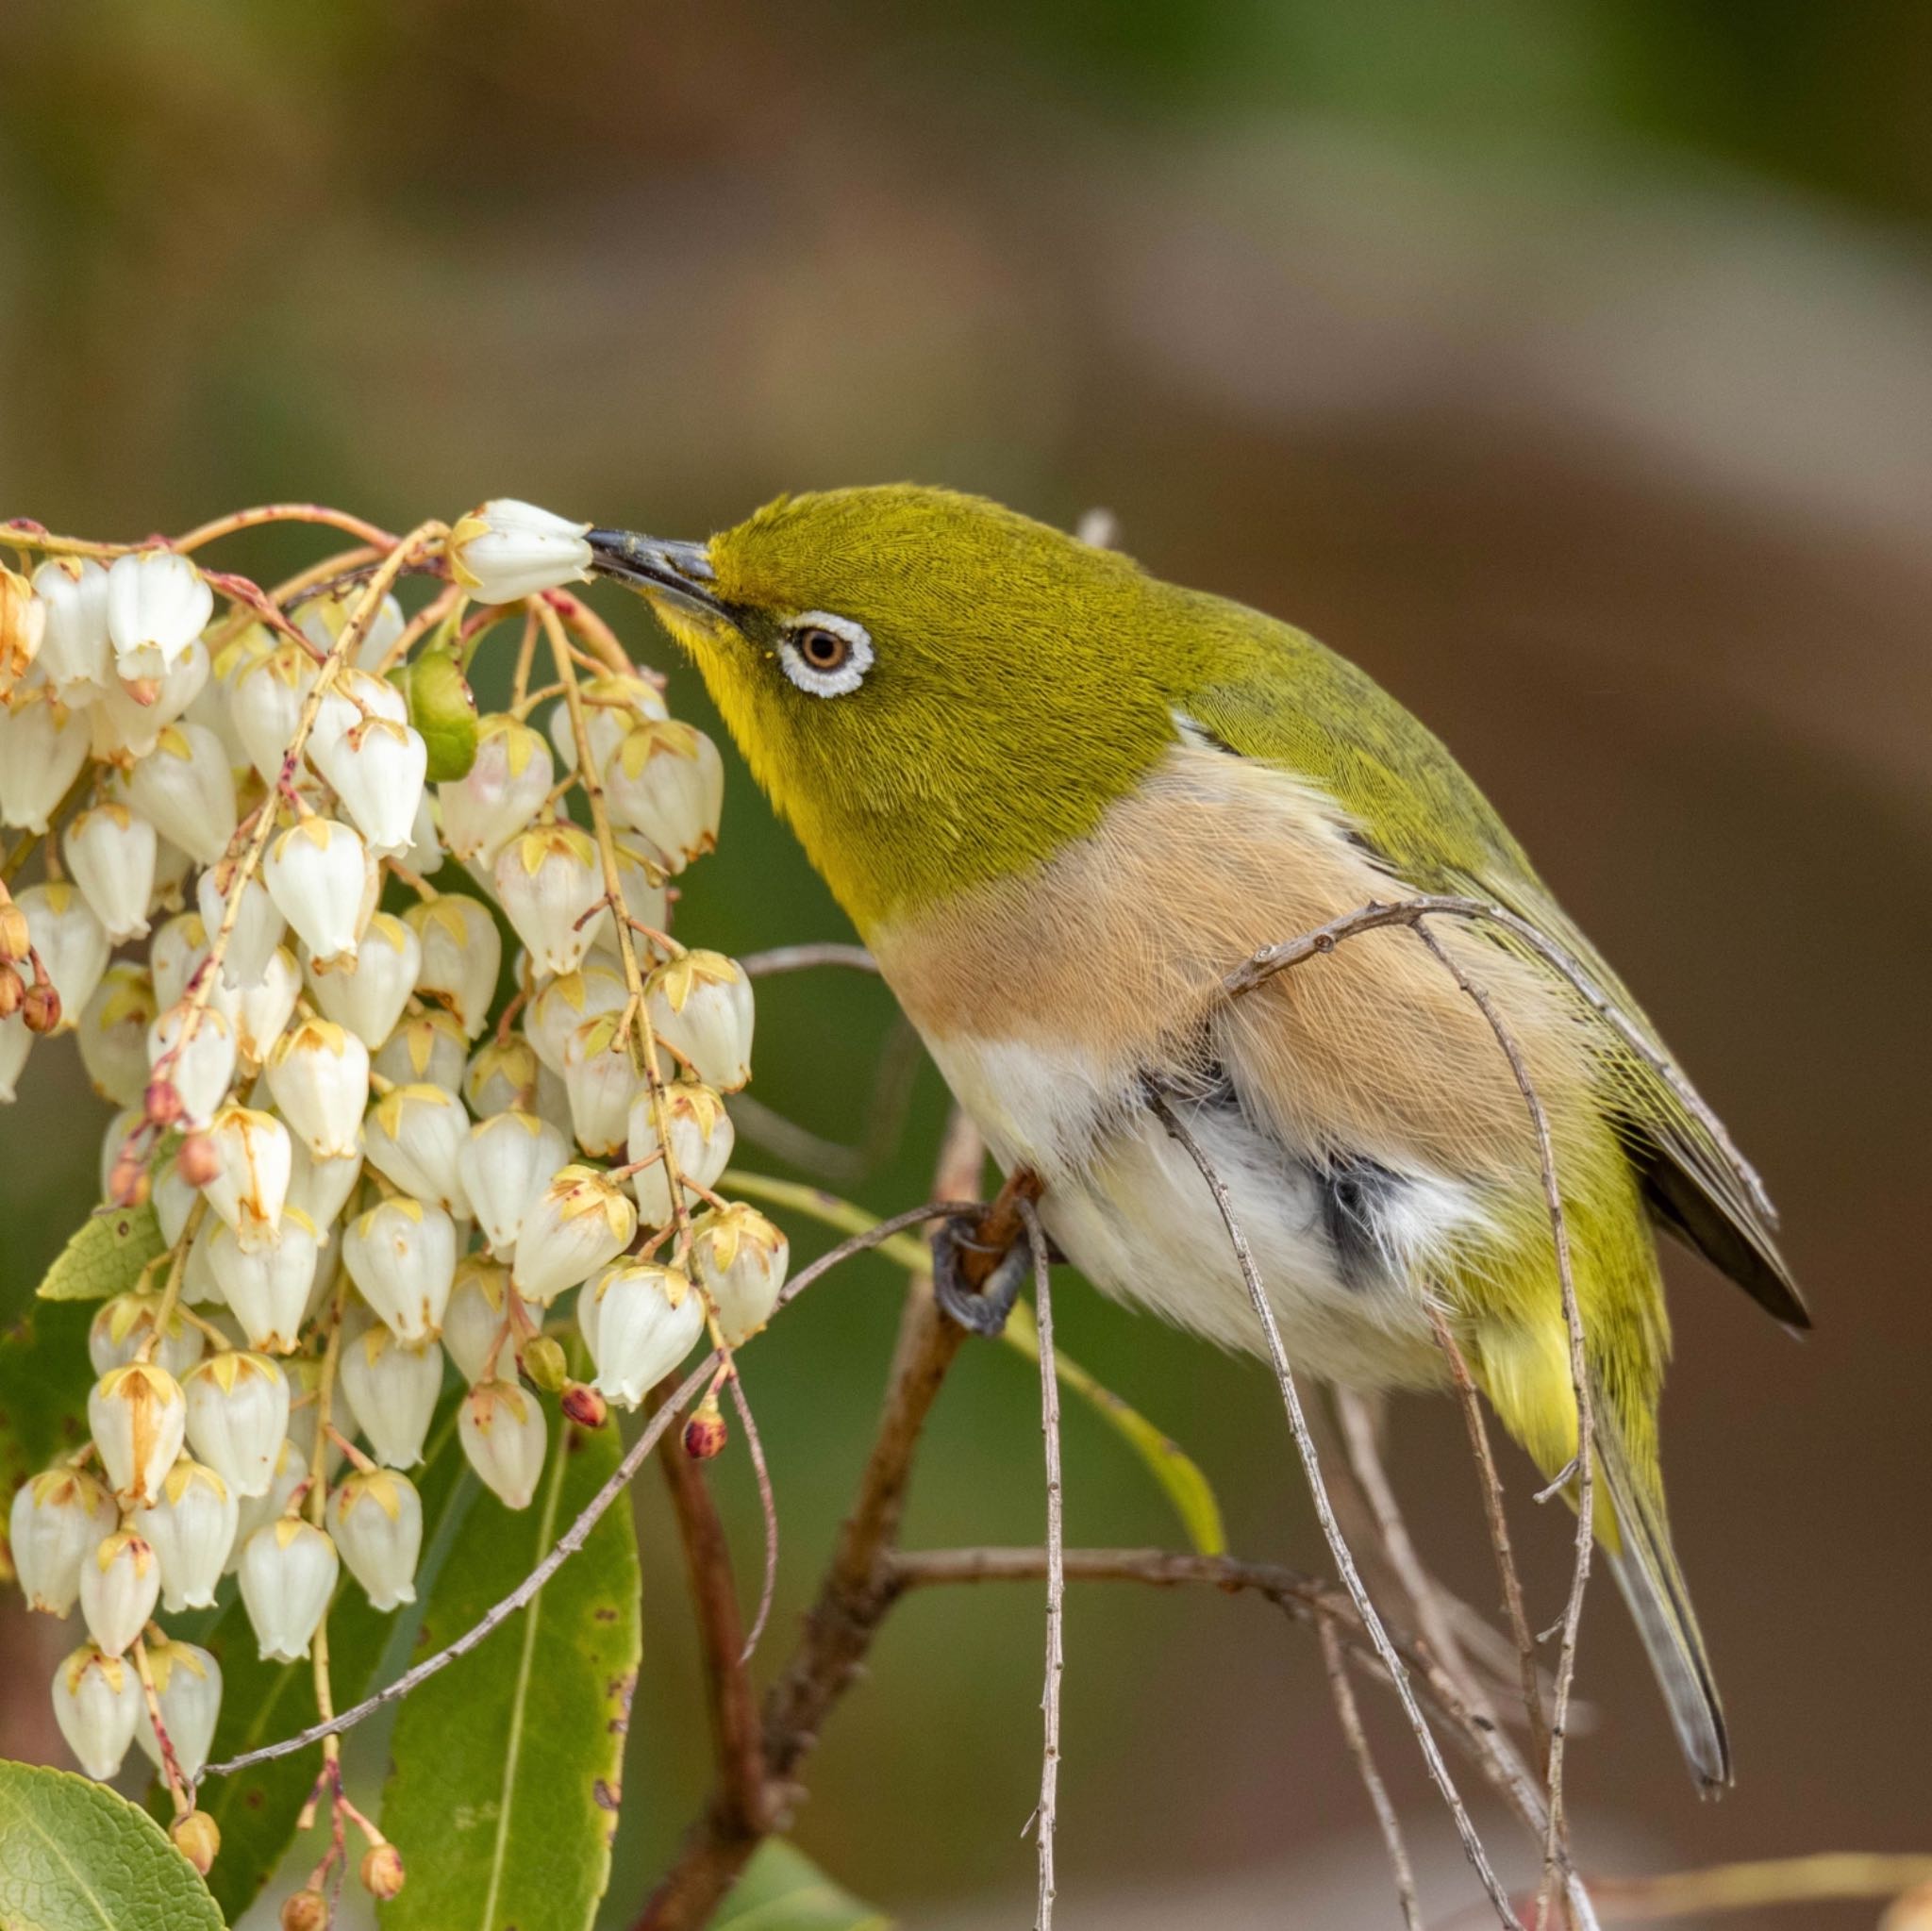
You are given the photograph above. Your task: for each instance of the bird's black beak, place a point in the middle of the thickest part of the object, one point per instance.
(678, 572)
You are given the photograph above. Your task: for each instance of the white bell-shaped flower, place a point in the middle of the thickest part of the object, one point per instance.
(158, 605)
(200, 1061)
(646, 897)
(427, 1048)
(23, 622)
(602, 1079)
(59, 1516)
(76, 653)
(319, 1076)
(263, 1010)
(214, 708)
(323, 620)
(267, 1286)
(613, 707)
(423, 855)
(173, 867)
(501, 1077)
(368, 996)
(702, 1138)
(462, 954)
(579, 1222)
(700, 1005)
(112, 1033)
(567, 1001)
(355, 698)
(42, 746)
(188, 1687)
(401, 1253)
(70, 940)
(199, 1287)
(292, 1461)
(259, 925)
(413, 1135)
(376, 1517)
(390, 1388)
(289, 1570)
(126, 721)
(317, 873)
(191, 1525)
(478, 1307)
(97, 1702)
(667, 784)
(174, 954)
(120, 1584)
(321, 1185)
(550, 886)
(252, 1187)
(110, 852)
(269, 692)
(238, 1412)
(501, 793)
(506, 549)
(740, 1259)
(138, 1417)
(640, 1321)
(505, 1161)
(377, 769)
(124, 1328)
(185, 789)
(16, 1042)
(502, 1429)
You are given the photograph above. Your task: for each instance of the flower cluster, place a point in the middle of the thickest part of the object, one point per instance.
(374, 1154)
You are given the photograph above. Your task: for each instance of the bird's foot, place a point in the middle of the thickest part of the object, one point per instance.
(979, 1260)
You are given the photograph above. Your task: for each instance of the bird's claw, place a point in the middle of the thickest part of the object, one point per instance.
(983, 1310)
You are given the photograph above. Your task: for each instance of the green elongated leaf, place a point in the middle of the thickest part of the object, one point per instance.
(44, 1378)
(105, 1257)
(503, 1794)
(74, 1856)
(782, 1889)
(261, 1702)
(442, 711)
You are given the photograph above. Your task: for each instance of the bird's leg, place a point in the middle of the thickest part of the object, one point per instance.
(978, 1261)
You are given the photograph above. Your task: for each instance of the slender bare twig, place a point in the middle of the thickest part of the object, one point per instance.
(1771, 1881)
(800, 958)
(1045, 1817)
(1336, 1664)
(1325, 1512)
(769, 1506)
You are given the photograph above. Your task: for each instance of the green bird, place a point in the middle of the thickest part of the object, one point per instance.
(1061, 800)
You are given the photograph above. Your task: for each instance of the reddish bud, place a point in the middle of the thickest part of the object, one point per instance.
(41, 1006)
(128, 1184)
(198, 1837)
(306, 1910)
(163, 1102)
(382, 1870)
(142, 690)
(705, 1434)
(14, 936)
(11, 992)
(197, 1160)
(585, 1406)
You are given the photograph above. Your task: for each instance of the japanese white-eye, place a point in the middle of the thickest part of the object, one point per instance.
(1060, 800)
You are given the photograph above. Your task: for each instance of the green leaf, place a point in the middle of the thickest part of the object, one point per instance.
(442, 711)
(782, 1889)
(105, 1257)
(74, 1856)
(261, 1702)
(44, 1378)
(503, 1794)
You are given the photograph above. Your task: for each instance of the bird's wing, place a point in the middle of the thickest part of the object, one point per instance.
(1297, 706)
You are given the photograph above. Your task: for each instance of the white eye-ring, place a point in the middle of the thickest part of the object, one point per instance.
(824, 655)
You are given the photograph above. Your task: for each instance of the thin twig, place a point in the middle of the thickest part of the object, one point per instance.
(800, 958)
(768, 1503)
(1336, 1663)
(1045, 1817)
(1829, 1874)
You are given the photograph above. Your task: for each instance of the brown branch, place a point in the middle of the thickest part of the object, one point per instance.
(1045, 1817)
(768, 1507)
(1336, 1663)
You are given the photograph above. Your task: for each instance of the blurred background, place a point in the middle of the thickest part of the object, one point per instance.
(1563, 361)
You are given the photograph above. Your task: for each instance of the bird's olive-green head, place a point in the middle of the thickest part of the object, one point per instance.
(934, 690)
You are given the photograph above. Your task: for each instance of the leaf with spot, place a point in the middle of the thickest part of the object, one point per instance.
(503, 1794)
(44, 1378)
(105, 1257)
(782, 1889)
(74, 1856)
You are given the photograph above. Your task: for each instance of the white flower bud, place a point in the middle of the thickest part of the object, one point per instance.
(110, 852)
(126, 721)
(204, 1067)
(646, 897)
(113, 1034)
(171, 868)
(158, 603)
(269, 693)
(462, 954)
(502, 1429)
(501, 1077)
(188, 1687)
(321, 1185)
(580, 1220)
(199, 1287)
(317, 873)
(602, 1079)
(214, 708)
(263, 1010)
(43, 747)
(375, 768)
(402, 1254)
(505, 1161)
(258, 924)
(318, 1074)
(252, 1187)
(186, 789)
(501, 793)
(354, 698)
(412, 1137)
(390, 1388)
(268, 1287)
(258, 1512)
(75, 650)
(289, 1570)
(377, 1520)
(120, 1584)
(702, 1137)
(700, 1005)
(23, 622)
(613, 707)
(368, 996)
(640, 1321)
(71, 941)
(427, 1048)
(137, 1415)
(173, 956)
(568, 1001)
(97, 1702)
(423, 854)
(59, 1516)
(238, 1412)
(191, 1525)
(667, 784)
(121, 1329)
(323, 620)
(478, 1307)
(739, 1258)
(549, 884)
(16, 1042)
(505, 549)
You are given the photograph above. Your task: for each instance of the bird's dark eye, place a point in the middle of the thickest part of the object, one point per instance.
(824, 650)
